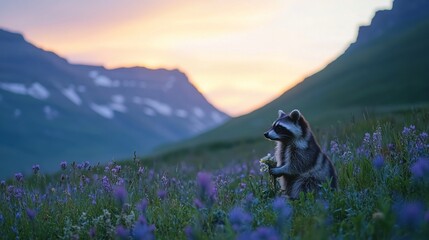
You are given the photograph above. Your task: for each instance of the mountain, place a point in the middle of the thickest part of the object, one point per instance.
(52, 111)
(404, 13)
(385, 69)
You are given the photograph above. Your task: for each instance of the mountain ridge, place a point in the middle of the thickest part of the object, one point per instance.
(404, 13)
(51, 109)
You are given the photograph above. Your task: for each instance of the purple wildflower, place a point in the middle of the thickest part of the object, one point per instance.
(408, 130)
(93, 199)
(86, 165)
(122, 232)
(391, 147)
(206, 189)
(164, 181)
(19, 177)
(141, 170)
(250, 201)
(162, 194)
(420, 168)
(31, 213)
(143, 205)
(240, 220)
(120, 181)
(63, 165)
(365, 148)
(198, 204)
(120, 194)
(378, 162)
(91, 233)
(3, 183)
(283, 211)
(151, 173)
(106, 184)
(423, 135)
(189, 233)
(411, 214)
(204, 182)
(143, 231)
(335, 149)
(265, 233)
(18, 193)
(142, 220)
(10, 189)
(80, 166)
(36, 168)
(367, 138)
(87, 180)
(116, 169)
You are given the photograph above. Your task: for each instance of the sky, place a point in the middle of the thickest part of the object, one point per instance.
(241, 54)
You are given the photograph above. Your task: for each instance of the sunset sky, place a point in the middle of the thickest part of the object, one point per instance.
(240, 54)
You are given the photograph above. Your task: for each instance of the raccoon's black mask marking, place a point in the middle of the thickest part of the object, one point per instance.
(281, 128)
(283, 132)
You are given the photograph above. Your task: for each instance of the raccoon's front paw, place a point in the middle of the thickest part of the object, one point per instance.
(276, 172)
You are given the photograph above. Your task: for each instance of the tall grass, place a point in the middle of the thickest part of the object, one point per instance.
(219, 193)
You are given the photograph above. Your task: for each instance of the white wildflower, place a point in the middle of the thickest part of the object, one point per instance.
(266, 163)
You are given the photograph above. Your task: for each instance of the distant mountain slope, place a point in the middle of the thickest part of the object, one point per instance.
(52, 111)
(382, 72)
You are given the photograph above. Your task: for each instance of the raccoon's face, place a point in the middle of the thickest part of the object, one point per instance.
(286, 128)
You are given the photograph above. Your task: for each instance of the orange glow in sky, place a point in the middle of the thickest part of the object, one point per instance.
(240, 54)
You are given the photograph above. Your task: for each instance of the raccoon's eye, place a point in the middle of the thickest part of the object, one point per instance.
(278, 128)
(282, 130)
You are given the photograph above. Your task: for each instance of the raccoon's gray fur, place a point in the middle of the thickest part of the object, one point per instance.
(301, 164)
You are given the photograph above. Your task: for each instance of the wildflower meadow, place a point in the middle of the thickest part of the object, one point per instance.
(383, 194)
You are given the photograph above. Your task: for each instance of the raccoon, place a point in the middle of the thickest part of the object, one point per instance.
(301, 164)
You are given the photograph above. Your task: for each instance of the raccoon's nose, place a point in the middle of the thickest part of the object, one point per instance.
(266, 134)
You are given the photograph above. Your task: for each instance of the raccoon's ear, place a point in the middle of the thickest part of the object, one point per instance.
(295, 115)
(282, 114)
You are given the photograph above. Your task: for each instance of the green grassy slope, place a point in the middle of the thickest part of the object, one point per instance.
(388, 74)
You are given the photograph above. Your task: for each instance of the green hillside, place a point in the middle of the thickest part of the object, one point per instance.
(385, 75)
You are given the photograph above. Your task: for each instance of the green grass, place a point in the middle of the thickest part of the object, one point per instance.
(368, 204)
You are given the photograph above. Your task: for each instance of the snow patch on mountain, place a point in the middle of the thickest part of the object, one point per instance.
(17, 88)
(198, 112)
(72, 95)
(161, 108)
(36, 90)
(102, 110)
(119, 107)
(103, 81)
(181, 113)
(217, 118)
